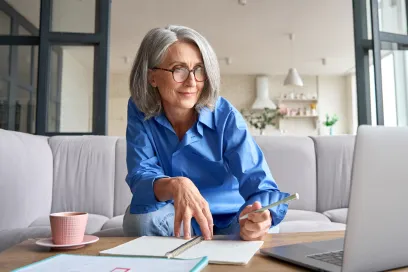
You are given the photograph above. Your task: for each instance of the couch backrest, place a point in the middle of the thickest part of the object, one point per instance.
(39, 175)
(84, 173)
(334, 162)
(123, 195)
(293, 164)
(25, 178)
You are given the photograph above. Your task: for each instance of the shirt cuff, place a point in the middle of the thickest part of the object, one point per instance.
(278, 213)
(144, 199)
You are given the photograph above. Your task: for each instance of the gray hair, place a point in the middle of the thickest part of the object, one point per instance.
(151, 53)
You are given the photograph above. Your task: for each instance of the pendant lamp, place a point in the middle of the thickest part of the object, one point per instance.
(293, 78)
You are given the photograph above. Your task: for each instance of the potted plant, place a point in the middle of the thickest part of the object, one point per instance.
(261, 119)
(330, 122)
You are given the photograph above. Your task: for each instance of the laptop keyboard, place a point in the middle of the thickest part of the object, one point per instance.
(334, 257)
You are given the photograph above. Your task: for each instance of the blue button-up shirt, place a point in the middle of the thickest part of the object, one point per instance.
(217, 153)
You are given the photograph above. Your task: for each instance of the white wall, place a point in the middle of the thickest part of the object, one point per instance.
(117, 109)
(333, 99)
(240, 91)
(76, 91)
(331, 92)
(352, 105)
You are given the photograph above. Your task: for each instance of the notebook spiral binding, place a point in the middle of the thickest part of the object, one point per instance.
(177, 251)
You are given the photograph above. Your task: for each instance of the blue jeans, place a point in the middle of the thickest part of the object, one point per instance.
(161, 223)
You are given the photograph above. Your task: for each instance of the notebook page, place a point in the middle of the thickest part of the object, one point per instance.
(224, 251)
(154, 246)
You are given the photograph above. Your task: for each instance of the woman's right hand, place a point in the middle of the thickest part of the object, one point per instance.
(188, 203)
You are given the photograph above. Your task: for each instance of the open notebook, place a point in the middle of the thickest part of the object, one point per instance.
(220, 250)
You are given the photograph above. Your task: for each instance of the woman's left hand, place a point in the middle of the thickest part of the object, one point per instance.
(256, 226)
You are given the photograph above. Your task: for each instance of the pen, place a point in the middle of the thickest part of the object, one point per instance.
(184, 247)
(286, 199)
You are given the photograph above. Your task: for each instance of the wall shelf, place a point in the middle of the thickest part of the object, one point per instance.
(299, 100)
(300, 116)
(314, 119)
(302, 109)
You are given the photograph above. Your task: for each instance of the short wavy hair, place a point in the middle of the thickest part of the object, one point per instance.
(151, 53)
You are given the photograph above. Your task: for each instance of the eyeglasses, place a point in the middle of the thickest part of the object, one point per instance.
(180, 74)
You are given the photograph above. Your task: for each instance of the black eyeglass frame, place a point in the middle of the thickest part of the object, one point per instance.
(189, 72)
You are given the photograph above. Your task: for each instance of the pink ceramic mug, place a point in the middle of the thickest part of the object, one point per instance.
(68, 227)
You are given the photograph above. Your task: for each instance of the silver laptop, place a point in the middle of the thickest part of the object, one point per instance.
(376, 237)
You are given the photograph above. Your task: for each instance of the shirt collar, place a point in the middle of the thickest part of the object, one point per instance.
(162, 120)
(206, 117)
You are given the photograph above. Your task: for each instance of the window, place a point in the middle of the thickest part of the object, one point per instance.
(381, 73)
(18, 70)
(49, 72)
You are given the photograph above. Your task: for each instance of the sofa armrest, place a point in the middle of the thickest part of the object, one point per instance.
(26, 177)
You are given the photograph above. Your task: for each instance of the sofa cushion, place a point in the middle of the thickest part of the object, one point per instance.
(299, 215)
(84, 172)
(293, 165)
(11, 237)
(310, 226)
(95, 222)
(25, 178)
(115, 222)
(334, 162)
(337, 215)
(114, 232)
(123, 195)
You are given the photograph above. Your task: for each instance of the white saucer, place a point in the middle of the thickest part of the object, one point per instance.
(88, 239)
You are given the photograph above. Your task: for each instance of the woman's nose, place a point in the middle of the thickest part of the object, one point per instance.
(190, 81)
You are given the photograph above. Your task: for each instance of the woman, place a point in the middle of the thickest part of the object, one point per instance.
(193, 167)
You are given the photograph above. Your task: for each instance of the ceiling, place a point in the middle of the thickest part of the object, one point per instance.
(254, 36)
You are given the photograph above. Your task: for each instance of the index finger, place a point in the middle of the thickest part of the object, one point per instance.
(246, 210)
(259, 216)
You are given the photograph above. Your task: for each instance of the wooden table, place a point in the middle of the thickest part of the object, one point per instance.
(28, 252)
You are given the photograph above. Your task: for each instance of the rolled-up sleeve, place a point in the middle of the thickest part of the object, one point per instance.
(247, 163)
(142, 164)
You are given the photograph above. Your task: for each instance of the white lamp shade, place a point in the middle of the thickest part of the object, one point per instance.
(293, 78)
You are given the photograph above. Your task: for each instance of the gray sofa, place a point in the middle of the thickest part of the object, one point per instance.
(40, 175)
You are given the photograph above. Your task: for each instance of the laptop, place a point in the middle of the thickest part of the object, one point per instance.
(376, 236)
